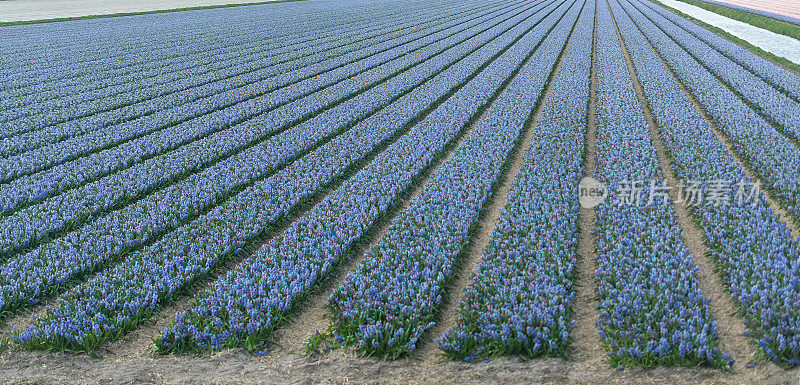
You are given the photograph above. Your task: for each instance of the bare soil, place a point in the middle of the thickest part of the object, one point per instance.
(586, 349)
(339, 367)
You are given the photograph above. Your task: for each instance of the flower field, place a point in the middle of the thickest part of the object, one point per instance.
(203, 179)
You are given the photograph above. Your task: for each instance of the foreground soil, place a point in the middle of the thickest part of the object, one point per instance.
(238, 366)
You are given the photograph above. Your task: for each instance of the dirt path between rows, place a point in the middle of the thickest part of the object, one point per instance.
(586, 348)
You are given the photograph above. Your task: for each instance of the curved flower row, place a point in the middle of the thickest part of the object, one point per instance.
(37, 57)
(773, 157)
(115, 64)
(775, 105)
(26, 227)
(24, 190)
(244, 306)
(57, 63)
(233, 106)
(518, 303)
(147, 99)
(25, 277)
(759, 257)
(391, 299)
(652, 311)
(63, 45)
(65, 118)
(234, 51)
(119, 299)
(151, 76)
(776, 75)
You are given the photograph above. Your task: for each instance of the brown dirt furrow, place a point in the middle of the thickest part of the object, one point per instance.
(587, 354)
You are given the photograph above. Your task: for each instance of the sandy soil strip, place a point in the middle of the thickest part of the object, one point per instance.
(586, 347)
(27, 10)
(731, 327)
(777, 44)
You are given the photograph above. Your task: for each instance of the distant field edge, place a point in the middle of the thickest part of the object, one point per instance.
(119, 14)
(779, 60)
(755, 19)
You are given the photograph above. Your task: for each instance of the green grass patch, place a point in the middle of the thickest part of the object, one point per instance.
(54, 20)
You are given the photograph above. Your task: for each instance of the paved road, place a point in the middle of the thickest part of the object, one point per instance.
(21, 10)
(777, 44)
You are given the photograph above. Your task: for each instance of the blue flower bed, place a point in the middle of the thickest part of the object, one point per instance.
(755, 250)
(119, 299)
(392, 298)
(26, 277)
(519, 301)
(652, 311)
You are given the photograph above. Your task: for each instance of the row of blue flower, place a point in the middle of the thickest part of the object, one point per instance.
(66, 75)
(392, 298)
(26, 227)
(760, 259)
(35, 187)
(80, 50)
(36, 57)
(772, 103)
(772, 73)
(39, 68)
(153, 76)
(144, 99)
(519, 301)
(652, 311)
(770, 152)
(772, 156)
(243, 307)
(84, 136)
(121, 298)
(27, 276)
